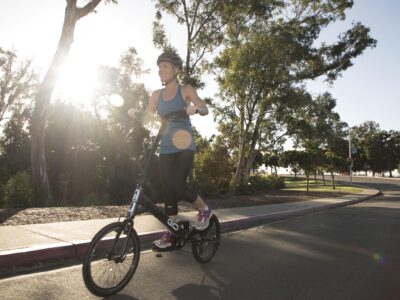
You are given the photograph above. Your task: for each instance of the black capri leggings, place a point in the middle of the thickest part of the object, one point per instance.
(174, 169)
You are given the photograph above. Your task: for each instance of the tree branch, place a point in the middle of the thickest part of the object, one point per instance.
(88, 8)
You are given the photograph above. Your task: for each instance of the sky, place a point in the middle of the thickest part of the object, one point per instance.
(368, 91)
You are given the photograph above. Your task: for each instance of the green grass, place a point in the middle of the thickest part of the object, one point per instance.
(301, 185)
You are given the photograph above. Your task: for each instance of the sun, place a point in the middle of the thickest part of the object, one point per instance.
(77, 81)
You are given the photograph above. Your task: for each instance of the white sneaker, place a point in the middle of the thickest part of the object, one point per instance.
(203, 219)
(164, 242)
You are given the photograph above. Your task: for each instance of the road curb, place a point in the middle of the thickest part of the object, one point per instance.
(15, 262)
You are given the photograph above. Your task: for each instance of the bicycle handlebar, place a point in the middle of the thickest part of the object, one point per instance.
(179, 114)
(176, 115)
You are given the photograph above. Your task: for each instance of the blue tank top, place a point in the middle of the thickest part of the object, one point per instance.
(178, 134)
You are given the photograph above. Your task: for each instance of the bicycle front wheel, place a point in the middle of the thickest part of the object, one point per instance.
(206, 242)
(111, 259)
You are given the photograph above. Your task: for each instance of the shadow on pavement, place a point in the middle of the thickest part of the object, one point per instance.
(120, 297)
(195, 291)
(382, 186)
(6, 213)
(386, 187)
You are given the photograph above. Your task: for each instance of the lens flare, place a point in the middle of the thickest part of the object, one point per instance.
(116, 100)
(181, 139)
(378, 258)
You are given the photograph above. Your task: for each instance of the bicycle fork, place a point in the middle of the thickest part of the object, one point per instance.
(127, 229)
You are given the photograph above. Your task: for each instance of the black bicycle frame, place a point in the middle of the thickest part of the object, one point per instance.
(140, 198)
(163, 217)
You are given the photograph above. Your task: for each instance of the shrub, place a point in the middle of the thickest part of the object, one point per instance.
(212, 169)
(94, 199)
(18, 192)
(261, 183)
(207, 187)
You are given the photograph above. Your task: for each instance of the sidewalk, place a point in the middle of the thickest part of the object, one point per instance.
(28, 248)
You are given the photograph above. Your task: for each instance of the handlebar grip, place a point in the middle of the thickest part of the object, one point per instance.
(179, 114)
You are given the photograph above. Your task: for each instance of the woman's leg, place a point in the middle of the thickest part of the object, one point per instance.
(183, 167)
(175, 169)
(167, 163)
(199, 204)
(167, 173)
(184, 164)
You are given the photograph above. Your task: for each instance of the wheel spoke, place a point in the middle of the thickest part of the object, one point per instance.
(205, 246)
(107, 269)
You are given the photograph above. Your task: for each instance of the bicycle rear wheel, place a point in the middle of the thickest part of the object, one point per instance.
(206, 242)
(111, 259)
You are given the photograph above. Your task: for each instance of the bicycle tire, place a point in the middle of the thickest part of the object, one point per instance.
(206, 242)
(105, 247)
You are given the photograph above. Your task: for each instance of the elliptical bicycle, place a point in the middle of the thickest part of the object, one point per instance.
(113, 254)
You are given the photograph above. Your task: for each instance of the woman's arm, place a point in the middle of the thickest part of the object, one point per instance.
(150, 111)
(190, 95)
(152, 106)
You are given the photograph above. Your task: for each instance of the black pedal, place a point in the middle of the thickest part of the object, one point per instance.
(184, 224)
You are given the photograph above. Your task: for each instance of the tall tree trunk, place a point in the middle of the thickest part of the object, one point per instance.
(40, 178)
(333, 180)
(248, 166)
(254, 139)
(251, 154)
(239, 168)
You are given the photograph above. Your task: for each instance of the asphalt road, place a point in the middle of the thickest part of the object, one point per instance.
(351, 252)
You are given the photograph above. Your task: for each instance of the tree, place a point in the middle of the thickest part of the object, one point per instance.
(394, 149)
(268, 56)
(14, 145)
(359, 132)
(74, 161)
(382, 150)
(358, 135)
(291, 158)
(121, 136)
(40, 179)
(203, 32)
(18, 83)
(323, 132)
(336, 154)
(307, 164)
(97, 159)
(212, 167)
(272, 160)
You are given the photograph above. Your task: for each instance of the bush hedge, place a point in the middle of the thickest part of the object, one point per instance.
(261, 183)
(18, 192)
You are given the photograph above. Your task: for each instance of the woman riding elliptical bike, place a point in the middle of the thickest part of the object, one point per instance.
(177, 146)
